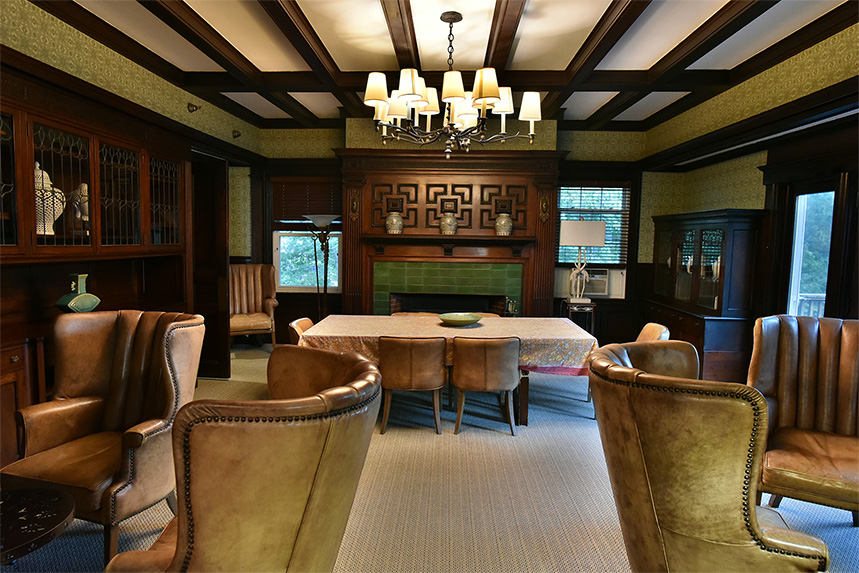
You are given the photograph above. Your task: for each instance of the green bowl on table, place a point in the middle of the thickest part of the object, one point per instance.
(460, 318)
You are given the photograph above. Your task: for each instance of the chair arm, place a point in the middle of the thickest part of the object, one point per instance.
(777, 535)
(146, 470)
(49, 424)
(268, 306)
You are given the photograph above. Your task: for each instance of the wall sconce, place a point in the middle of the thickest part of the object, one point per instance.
(192, 108)
(236, 133)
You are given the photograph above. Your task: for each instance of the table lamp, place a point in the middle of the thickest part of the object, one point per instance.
(323, 226)
(581, 234)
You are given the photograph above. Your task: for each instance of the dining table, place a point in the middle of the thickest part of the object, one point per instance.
(547, 344)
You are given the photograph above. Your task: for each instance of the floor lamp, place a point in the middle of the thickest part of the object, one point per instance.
(323, 230)
(581, 234)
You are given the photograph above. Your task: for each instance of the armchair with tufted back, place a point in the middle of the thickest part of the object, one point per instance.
(808, 370)
(684, 457)
(268, 485)
(104, 437)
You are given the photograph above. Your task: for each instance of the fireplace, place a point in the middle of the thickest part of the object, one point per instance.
(448, 302)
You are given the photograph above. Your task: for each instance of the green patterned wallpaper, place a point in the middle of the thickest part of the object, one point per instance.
(298, 143)
(240, 211)
(602, 145)
(824, 64)
(735, 184)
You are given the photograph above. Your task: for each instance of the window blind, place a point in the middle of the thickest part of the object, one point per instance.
(292, 198)
(597, 203)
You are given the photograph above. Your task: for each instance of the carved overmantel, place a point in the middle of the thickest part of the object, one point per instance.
(475, 187)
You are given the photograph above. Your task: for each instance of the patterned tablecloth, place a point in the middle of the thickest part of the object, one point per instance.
(553, 345)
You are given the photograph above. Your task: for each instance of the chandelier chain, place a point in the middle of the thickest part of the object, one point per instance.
(450, 49)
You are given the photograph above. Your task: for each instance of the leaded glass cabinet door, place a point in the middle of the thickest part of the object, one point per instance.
(684, 265)
(8, 186)
(710, 270)
(62, 187)
(119, 176)
(165, 202)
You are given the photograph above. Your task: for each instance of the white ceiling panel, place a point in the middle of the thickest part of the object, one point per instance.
(649, 105)
(780, 21)
(350, 31)
(662, 25)
(581, 105)
(248, 28)
(552, 31)
(257, 104)
(141, 25)
(470, 35)
(322, 105)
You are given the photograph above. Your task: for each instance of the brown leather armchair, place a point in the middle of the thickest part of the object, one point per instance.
(104, 437)
(268, 485)
(297, 328)
(665, 436)
(252, 300)
(808, 370)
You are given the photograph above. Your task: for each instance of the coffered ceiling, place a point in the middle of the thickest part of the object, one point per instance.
(599, 64)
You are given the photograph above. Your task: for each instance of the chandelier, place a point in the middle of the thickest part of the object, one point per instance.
(397, 115)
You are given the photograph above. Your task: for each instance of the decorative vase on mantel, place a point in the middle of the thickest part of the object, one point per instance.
(503, 225)
(447, 224)
(394, 223)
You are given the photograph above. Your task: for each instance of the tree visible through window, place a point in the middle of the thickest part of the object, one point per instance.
(609, 204)
(296, 257)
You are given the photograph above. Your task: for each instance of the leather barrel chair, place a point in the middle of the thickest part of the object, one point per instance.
(684, 457)
(808, 370)
(268, 485)
(120, 377)
(252, 300)
(297, 328)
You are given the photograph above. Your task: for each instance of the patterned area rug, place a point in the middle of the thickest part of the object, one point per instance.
(480, 501)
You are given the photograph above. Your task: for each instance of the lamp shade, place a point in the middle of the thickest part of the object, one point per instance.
(530, 109)
(381, 112)
(397, 106)
(322, 221)
(422, 101)
(409, 84)
(505, 104)
(485, 87)
(465, 109)
(451, 88)
(582, 233)
(377, 89)
(432, 98)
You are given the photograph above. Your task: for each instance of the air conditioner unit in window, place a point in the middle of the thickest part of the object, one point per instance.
(598, 282)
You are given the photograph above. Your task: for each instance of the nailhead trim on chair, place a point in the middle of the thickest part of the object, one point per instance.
(748, 397)
(186, 438)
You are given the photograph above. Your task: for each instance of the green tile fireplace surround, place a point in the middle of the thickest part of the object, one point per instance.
(449, 278)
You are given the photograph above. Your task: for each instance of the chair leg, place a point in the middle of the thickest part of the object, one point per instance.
(774, 500)
(172, 503)
(436, 408)
(461, 403)
(111, 542)
(758, 497)
(589, 393)
(273, 341)
(508, 399)
(386, 410)
(855, 518)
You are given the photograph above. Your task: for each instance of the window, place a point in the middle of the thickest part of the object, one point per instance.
(609, 204)
(812, 234)
(298, 256)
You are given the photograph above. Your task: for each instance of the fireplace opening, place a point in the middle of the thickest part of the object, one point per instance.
(447, 302)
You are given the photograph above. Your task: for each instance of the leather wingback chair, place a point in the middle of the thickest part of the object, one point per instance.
(104, 437)
(268, 485)
(297, 327)
(252, 300)
(666, 435)
(412, 364)
(486, 365)
(653, 331)
(808, 370)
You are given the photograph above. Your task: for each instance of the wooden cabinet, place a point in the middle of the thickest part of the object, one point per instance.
(17, 389)
(703, 285)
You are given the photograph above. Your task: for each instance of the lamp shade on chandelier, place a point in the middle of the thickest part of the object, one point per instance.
(397, 115)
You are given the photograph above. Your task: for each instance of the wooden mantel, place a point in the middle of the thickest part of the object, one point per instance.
(476, 186)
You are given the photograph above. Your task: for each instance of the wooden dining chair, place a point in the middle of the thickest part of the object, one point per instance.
(413, 364)
(486, 365)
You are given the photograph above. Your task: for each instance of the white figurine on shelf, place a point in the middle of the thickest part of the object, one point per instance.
(50, 202)
(578, 278)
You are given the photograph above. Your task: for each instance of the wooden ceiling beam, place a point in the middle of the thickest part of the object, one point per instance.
(191, 26)
(617, 19)
(505, 22)
(398, 15)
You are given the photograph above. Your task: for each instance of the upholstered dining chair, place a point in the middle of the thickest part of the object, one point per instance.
(268, 485)
(808, 370)
(412, 364)
(253, 299)
(120, 377)
(297, 328)
(414, 314)
(485, 365)
(665, 435)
